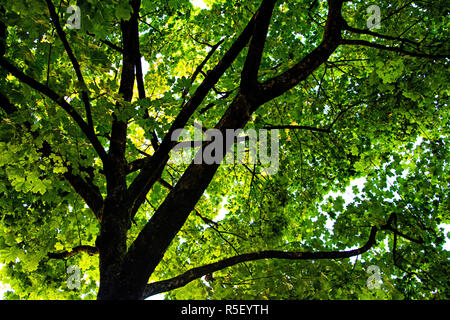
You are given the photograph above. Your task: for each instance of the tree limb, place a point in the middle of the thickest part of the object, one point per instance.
(130, 38)
(87, 190)
(75, 64)
(138, 64)
(108, 43)
(295, 127)
(249, 76)
(278, 85)
(85, 128)
(67, 254)
(151, 167)
(378, 35)
(205, 60)
(369, 44)
(196, 273)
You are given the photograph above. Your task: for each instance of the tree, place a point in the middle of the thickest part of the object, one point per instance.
(89, 179)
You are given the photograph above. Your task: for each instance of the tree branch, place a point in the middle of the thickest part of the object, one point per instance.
(278, 85)
(398, 233)
(150, 245)
(205, 60)
(67, 254)
(295, 127)
(85, 128)
(249, 76)
(138, 64)
(130, 37)
(378, 35)
(151, 167)
(108, 43)
(365, 43)
(75, 64)
(87, 190)
(196, 273)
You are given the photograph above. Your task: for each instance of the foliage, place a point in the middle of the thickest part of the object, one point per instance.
(386, 119)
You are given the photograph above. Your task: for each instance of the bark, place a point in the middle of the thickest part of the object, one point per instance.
(111, 244)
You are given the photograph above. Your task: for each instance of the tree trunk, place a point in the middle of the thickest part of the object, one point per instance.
(115, 222)
(111, 244)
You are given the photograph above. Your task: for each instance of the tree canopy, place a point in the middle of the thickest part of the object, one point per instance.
(356, 98)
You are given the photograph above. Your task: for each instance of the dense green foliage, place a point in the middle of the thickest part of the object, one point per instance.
(387, 117)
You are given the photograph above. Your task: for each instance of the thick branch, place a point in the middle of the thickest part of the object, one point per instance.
(148, 249)
(138, 63)
(196, 273)
(278, 85)
(249, 77)
(130, 39)
(67, 254)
